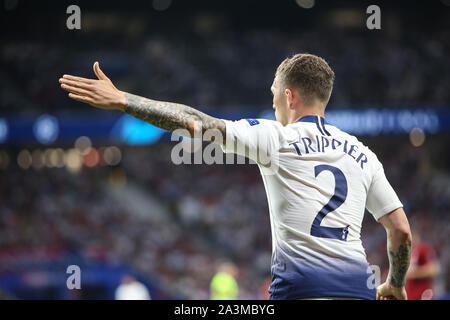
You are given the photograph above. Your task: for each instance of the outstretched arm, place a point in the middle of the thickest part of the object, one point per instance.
(170, 116)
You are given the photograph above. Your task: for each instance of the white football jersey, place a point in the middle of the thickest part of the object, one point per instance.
(319, 180)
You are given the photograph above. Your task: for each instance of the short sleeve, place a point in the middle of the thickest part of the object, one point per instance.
(252, 138)
(381, 198)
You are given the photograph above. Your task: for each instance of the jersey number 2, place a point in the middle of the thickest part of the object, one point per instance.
(338, 198)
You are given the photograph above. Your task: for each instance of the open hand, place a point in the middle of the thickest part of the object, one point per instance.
(99, 93)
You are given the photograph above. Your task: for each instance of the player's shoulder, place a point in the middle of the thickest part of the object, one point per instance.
(263, 122)
(255, 122)
(353, 140)
(259, 125)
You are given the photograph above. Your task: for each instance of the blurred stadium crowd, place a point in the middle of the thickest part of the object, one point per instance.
(177, 224)
(200, 216)
(233, 70)
(50, 211)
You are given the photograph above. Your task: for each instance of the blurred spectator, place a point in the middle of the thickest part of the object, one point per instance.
(424, 268)
(131, 289)
(224, 285)
(264, 289)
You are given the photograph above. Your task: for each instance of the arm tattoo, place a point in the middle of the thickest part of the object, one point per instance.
(399, 263)
(171, 116)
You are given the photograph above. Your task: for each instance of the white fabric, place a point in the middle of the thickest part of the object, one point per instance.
(296, 195)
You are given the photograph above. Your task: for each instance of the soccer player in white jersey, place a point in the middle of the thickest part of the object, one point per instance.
(319, 180)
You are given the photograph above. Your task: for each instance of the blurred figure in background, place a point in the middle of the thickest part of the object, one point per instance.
(224, 285)
(423, 269)
(264, 289)
(131, 289)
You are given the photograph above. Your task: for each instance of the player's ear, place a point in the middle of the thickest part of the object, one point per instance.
(289, 97)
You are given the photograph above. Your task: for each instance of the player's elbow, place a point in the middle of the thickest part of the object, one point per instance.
(397, 226)
(402, 234)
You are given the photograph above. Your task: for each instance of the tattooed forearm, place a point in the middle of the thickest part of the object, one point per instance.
(171, 116)
(399, 263)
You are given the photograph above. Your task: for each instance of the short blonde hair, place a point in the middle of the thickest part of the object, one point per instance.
(309, 74)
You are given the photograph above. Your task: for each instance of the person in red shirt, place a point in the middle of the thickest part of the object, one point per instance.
(423, 269)
(264, 289)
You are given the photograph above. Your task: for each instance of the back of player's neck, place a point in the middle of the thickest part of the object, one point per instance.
(310, 112)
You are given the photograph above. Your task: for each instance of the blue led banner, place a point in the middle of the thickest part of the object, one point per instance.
(104, 127)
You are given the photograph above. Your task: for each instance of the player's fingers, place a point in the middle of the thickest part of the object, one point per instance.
(78, 79)
(77, 84)
(76, 90)
(399, 297)
(99, 72)
(380, 292)
(80, 98)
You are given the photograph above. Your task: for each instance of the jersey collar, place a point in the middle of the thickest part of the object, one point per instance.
(318, 120)
(312, 118)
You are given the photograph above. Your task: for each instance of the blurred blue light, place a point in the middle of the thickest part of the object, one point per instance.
(3, 130)
(46, 129)
(133, 131)
(375, 122)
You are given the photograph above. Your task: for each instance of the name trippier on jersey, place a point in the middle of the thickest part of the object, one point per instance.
(324, 144)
